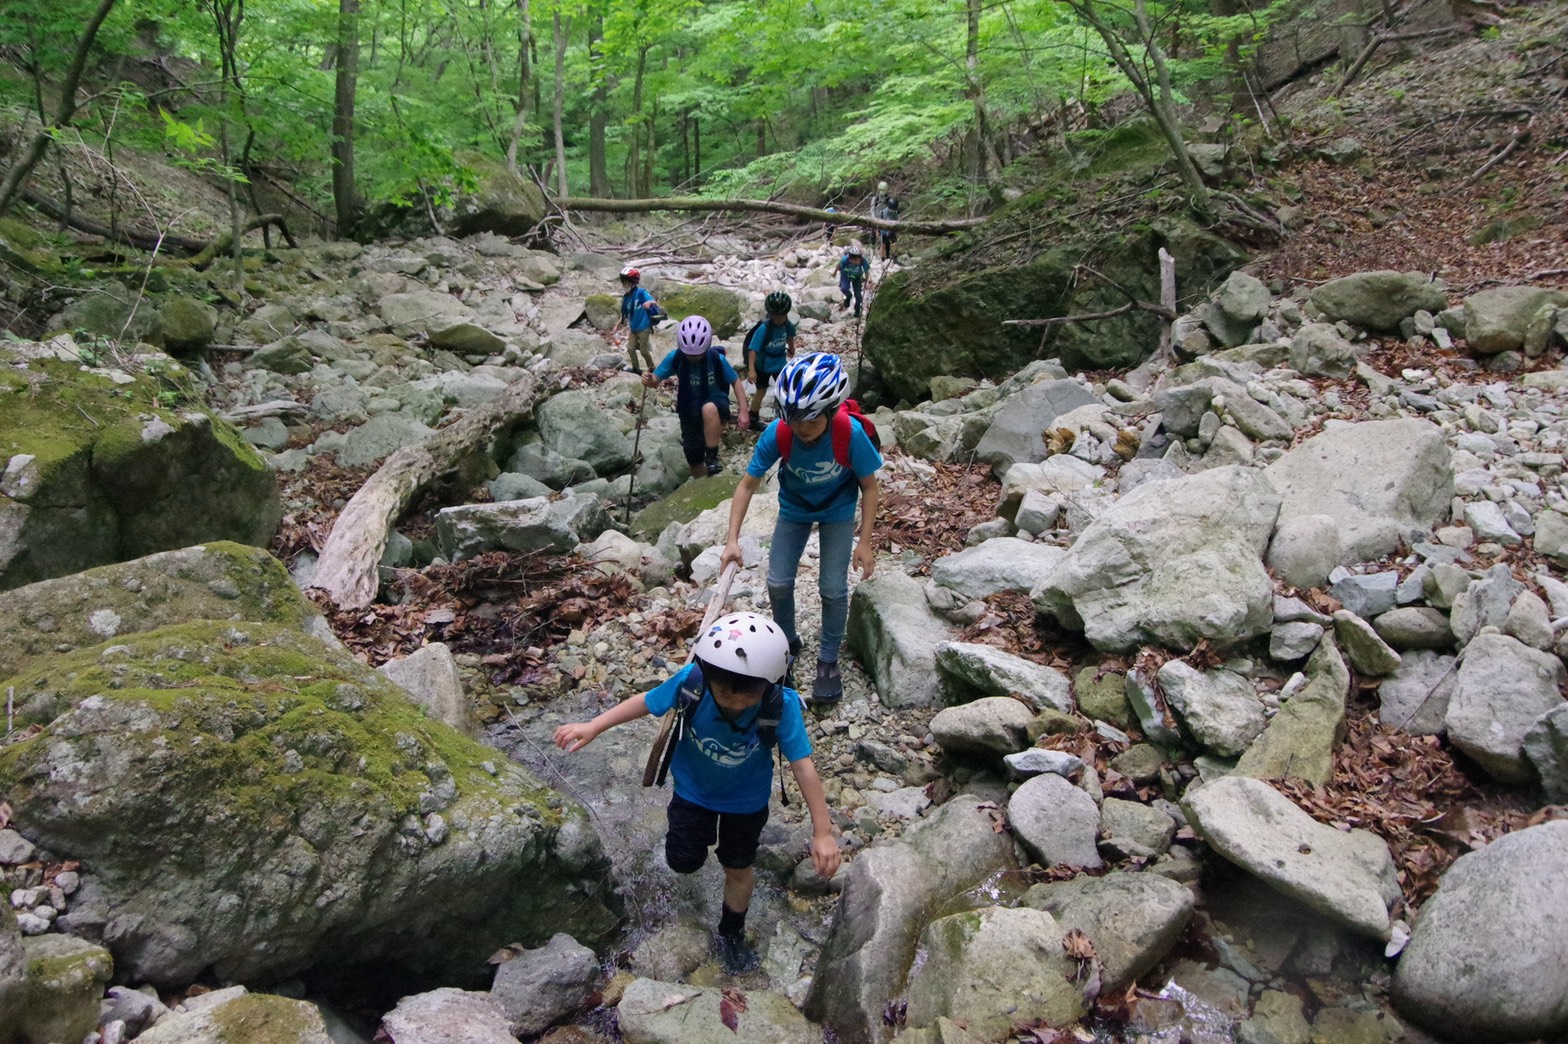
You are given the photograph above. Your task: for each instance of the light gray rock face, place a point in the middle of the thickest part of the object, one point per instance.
(889, 891)
(1300, 738)
(1318, 350)
(989, 670)
(1502, 687)
(316, 813)
(556, 470)
(573, 424)
(1294, 641)
(1218, 707)
(992, 969)
(519, 525)
(1378, 301)
(429, 675)
(1056, 822)
(1305, 549)
(1027, 764)
(1015, 432)
(1415, 627)
(999, 564)
(239, 1017)
(1416, 698)
(1497, 320)
(894, 633)
(1485, 961)
(418, 311)
(1131, 828)
(538, 988)
(514, 485)
(447, 1016)
(1546, 747)
(1484, 603)
(1366, 651)
(1348, 877)
(1236, 308)
(379, 437)
(1382, 481)
(653, 1012)
(1132, 919)
(994, 726)
(1171, 563)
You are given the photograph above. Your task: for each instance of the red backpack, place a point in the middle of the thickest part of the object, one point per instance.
(841, 433)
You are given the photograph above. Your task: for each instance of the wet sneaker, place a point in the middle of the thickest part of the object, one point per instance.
(829, 686)
(736, 954)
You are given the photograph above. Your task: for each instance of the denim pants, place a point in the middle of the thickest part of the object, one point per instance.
(837, 543)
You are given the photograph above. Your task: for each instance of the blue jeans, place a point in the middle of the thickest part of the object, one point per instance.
(837, 543)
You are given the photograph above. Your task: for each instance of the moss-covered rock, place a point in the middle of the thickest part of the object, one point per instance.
(186, 324)
(65, 980)
(604, 310)
(688, 501)
(242, 1018)
(97, 469)
(501, 202)
(24, 247)
(719, 306)
(251, 800)
(13, 973)
(217, 581)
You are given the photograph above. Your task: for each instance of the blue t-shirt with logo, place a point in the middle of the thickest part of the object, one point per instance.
(814, 486)
(722, 768)
(633, 310)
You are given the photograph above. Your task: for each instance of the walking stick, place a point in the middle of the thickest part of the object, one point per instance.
(631, 482)
(664, 746)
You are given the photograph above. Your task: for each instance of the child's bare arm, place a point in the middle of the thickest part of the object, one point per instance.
(824, 847)
(574, 737)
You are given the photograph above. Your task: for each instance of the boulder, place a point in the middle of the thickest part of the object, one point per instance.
(1171, 563)
(430, 677)
(1318, 350)
(996, 565)
(1218, 707)
(500, 201)
(991, 671)
(1383, 482)
(236, 1016)
(65, 981)
(889, 893)
(555, 470)
(519, 525)
(573, 424)
(1416, 698)
(1347, 876)
(1484, 602)
(1497, 320)
(721, 307)
(415, 312)
(140, 478)
(1056, 822)
(1378, 301)
(1300, 739)
(1133, 829)
(447, 1016)
(538, 988)
(991, 727)
(653, 1012)
(992, 969)
(380, 437)
(1236, 308)
(255, 802)
(186, 324)
(1485, 961)
(894, 633)
(1017, 426)
(1305, 549)
(1132, 919)
(1546, 747)
(1501, 688)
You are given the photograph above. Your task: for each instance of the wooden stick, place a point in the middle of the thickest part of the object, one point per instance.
(661, 745)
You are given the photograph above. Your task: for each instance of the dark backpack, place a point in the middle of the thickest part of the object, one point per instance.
(690, 694)
(841, 433)
(656, 315)
(887, 208)
(754, 346)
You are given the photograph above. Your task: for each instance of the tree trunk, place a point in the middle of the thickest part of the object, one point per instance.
(975, 91)
(634, 185)
(344, 195)
(766, 206)
(598, 120)
(22, 169)
(347, 569)
(560, 95)
(525, 32)
(696, 147)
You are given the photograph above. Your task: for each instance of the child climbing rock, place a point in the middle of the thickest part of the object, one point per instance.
(827, 462)
(734, 709)
(769, 345)
(637, 308)
(704, 378)
(852, 270)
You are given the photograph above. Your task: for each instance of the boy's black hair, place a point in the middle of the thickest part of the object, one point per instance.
(732, 681)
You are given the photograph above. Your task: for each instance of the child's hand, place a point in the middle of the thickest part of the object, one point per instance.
(865, 559)
(649, 380)
(574, 737)
(824, 856)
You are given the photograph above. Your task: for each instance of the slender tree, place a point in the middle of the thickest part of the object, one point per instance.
(346, 56)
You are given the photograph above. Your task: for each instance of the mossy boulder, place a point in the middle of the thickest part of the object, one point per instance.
(501, 201)
(96, 469)
(186, 324)
(719, 306)
(254, 802)
(235, 1016)
(24, 247)
(217, 581)
(604, 310)
(65, 980)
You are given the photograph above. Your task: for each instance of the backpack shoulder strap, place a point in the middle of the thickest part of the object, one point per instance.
(753, 343)
(785, 438)
(841, 436)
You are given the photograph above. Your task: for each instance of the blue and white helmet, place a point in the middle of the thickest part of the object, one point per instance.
(811, 386)
(694, 336)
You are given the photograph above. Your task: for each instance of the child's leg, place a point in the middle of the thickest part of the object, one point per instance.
(692, 831)
(859, 286)
(737, 853)
(789, 543)
(643, 342)
(837, 541)
(693, 444)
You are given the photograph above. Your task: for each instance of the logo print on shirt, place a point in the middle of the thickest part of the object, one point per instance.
(729, 757)
(821, 471)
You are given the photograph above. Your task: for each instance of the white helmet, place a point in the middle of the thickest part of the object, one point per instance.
(882, 187)
(746, 643)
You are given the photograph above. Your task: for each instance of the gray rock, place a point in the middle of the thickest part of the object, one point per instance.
(993, 968)
(1276, 1019)
(1445, 584)
(1414, 628)
(1502, 687)
(556, 470)
(1300, 739)
(1056, 822)
(1546, 747)
(538, 988)
(1485, 960)
(1484, 603)
(1132, 824)
(1170, 563)
(1366, 594)
(464, 337)
(1132, 919)
(65, 979)
(1102, 695)
(1305, 549)
(1318, 350)
(1416, 698)
(1378, 301)
(894, 633)
(1348, 876)
(1037, 513)
(1182, 407)
(889, 890)
(1497, 320)
(1382, 481)
(1015, 432)
(1489, 523)
(239, 1017)
(1367, 652)
(573, 423)
(379, 437)
(993, 726)
(416, 312)
(989, 670)
(14, 848)
(1529, 621)
(653, 1012)
(13, 968)
(1551, 535)
(514, 485)
(1294, 641)
(1149, 709)
(519, 525)
(999, 564)
(186, 324)
(1026, 764)
(1218, 707)
(429, 675)
(447, 1016)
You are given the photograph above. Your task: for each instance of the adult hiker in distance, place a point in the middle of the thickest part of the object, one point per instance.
(734, 709)
(704, 379)
(769, 345)
(884, 205)
(827, 463)
(637, 311)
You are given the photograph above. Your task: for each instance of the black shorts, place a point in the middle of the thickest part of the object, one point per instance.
(693, 442)
(693, 830)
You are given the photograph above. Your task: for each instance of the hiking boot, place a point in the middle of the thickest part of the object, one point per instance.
(829, 686)
(714, 467)
(756, 423)
(789, 671)
(736, 954)
(857, 313)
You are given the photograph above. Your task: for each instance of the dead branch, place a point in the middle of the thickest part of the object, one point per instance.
(201, 251)
(765, 206)
(347, 569)
(1382, 38)
(275, 408)
(1520, 135)
(1089, 317)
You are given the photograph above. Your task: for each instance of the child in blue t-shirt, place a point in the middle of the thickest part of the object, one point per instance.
(852, 271)
(768, 347)
(825, 473)
(637, 308)
(723, 762)
(704, 379)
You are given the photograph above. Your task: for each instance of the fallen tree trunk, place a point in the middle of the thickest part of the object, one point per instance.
(202, 251)
(347, 569)
(766, 206)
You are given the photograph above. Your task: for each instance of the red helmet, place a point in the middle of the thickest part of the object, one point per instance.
(631, 274)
